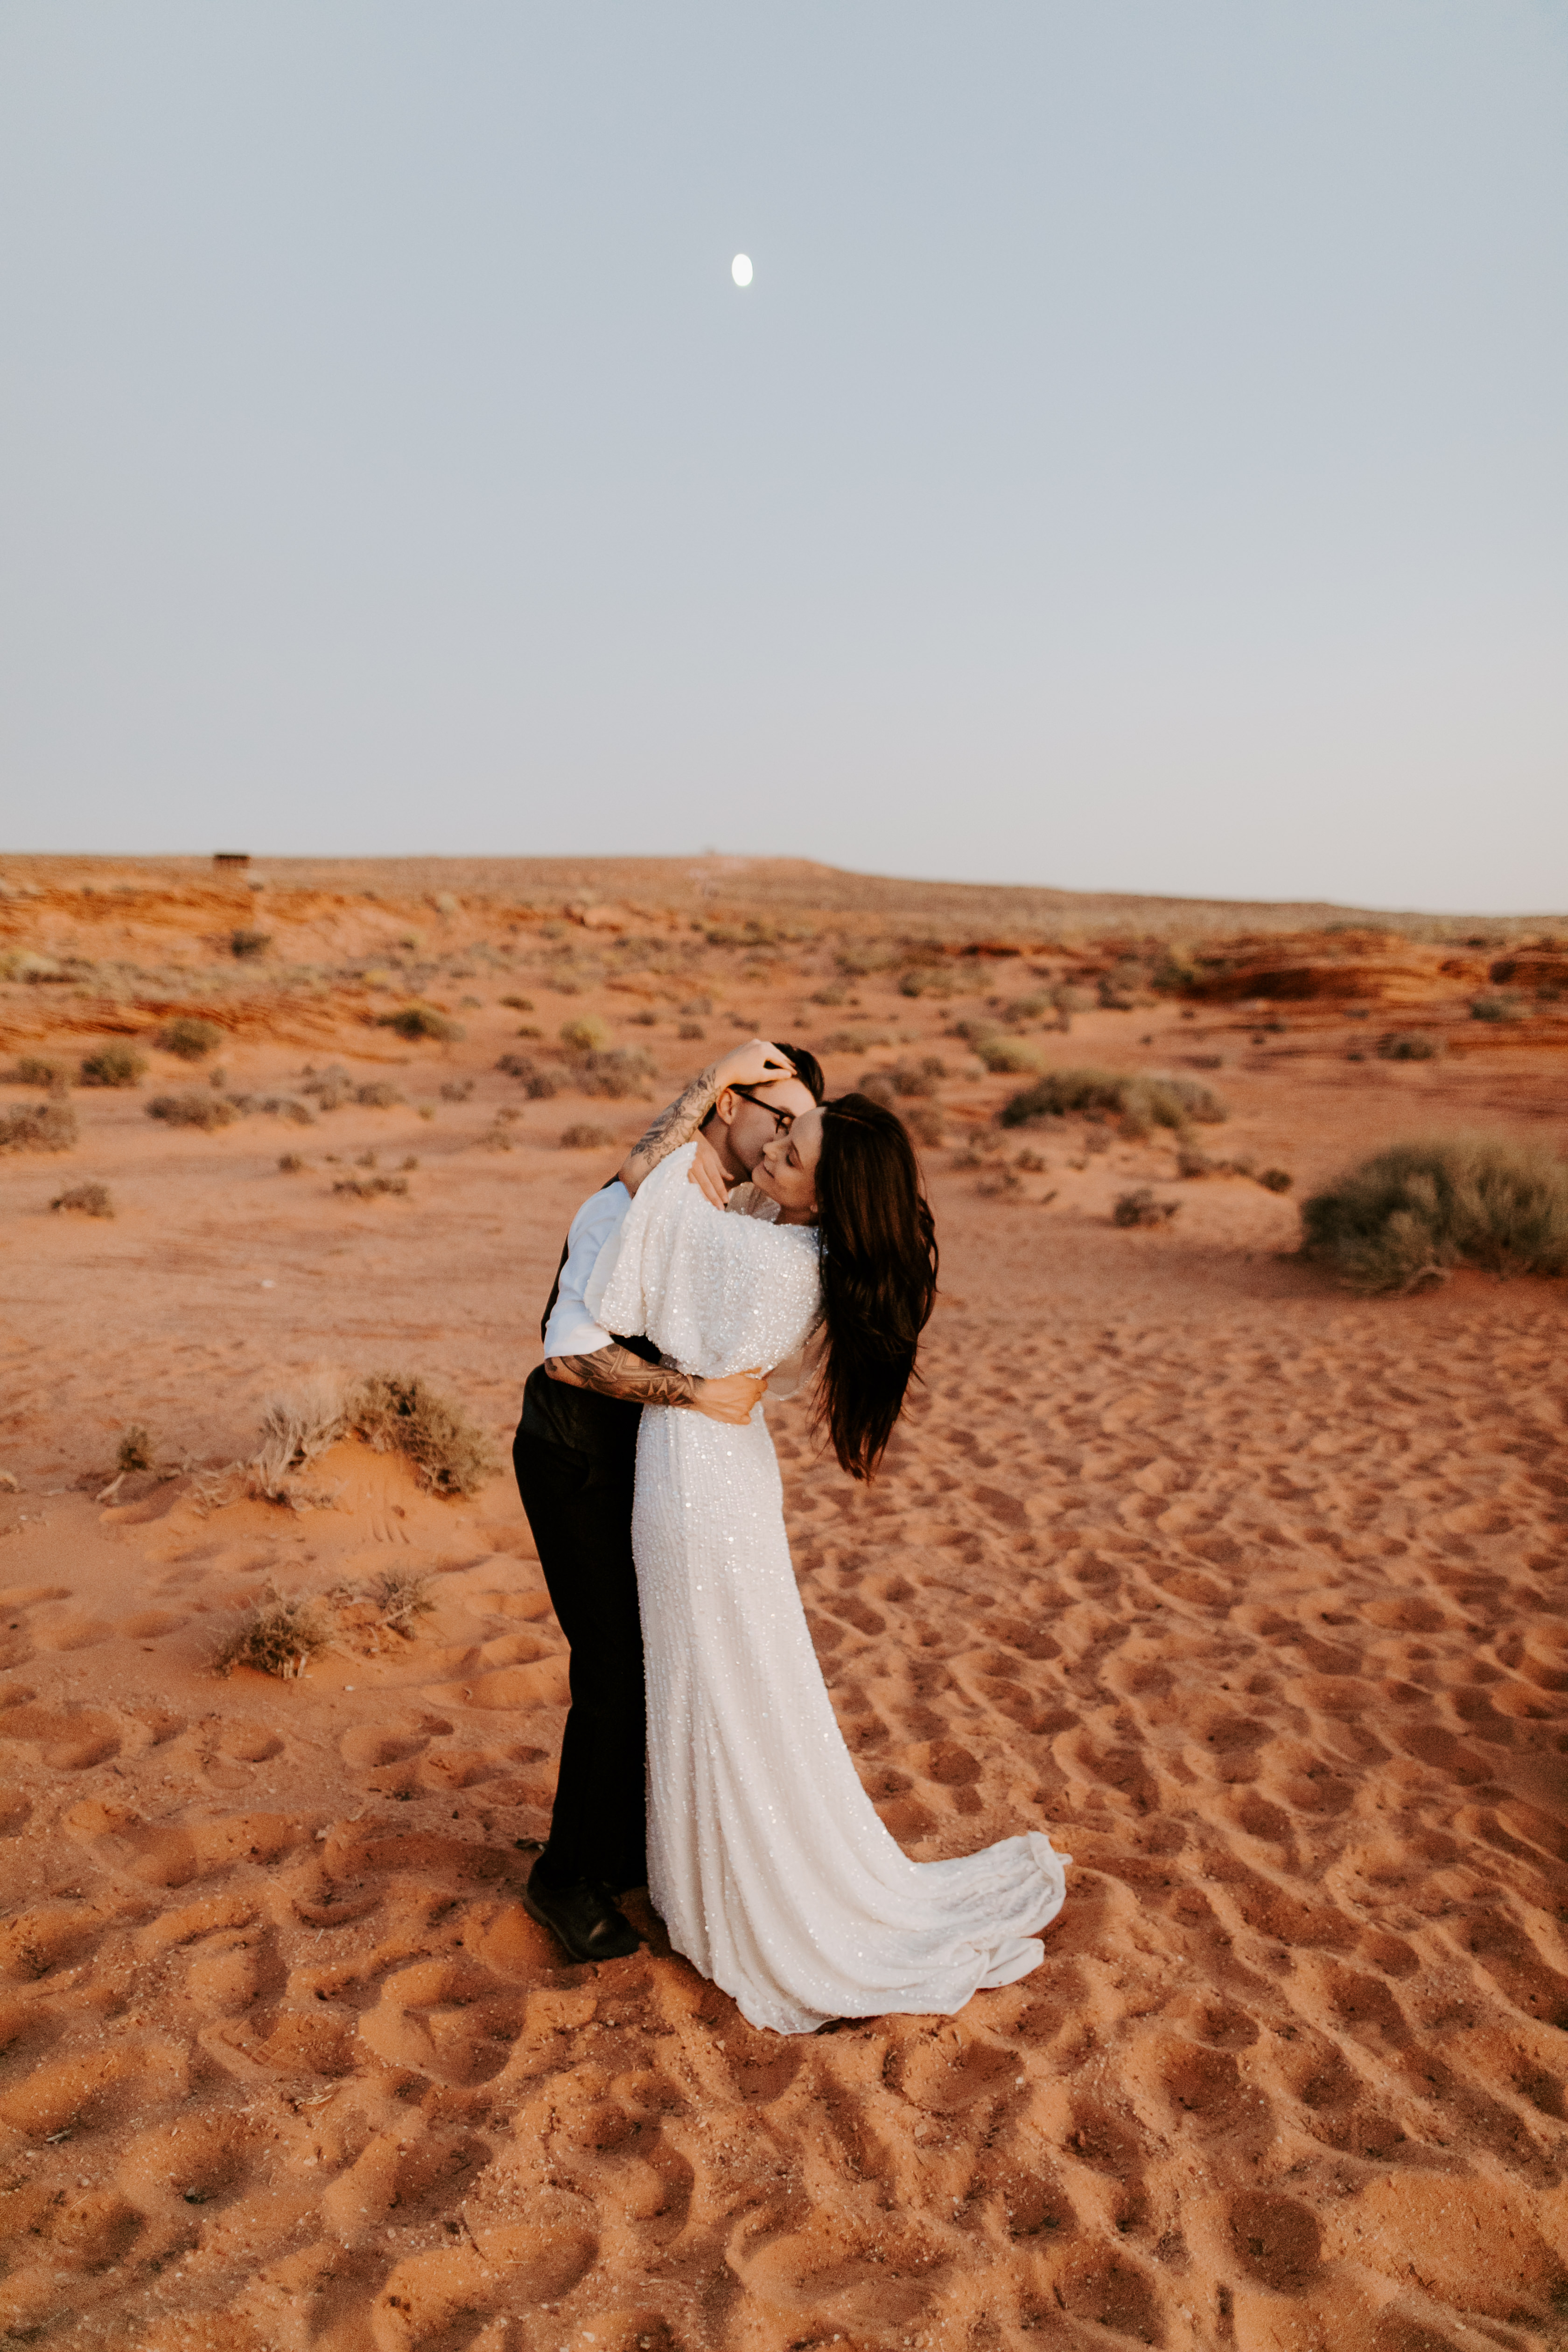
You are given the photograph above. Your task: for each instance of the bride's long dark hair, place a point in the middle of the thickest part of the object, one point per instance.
(879, 1274)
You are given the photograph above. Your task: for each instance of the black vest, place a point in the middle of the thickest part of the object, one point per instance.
(580, 1418)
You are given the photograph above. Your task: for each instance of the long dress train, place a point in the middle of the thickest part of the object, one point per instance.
(766, 1859)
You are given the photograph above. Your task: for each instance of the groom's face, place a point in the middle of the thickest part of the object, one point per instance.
(742, 1128)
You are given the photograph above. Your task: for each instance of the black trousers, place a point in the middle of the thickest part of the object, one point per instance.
(579, 1505)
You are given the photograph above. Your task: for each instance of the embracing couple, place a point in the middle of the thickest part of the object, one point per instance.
(756, 1238)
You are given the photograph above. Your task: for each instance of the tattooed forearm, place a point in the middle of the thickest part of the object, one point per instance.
(673, 1127)
(614, 1371)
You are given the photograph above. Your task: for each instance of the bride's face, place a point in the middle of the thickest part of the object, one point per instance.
(786, 1171)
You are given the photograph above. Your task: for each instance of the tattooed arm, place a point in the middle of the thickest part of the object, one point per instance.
(756, 1064)
(614, 1371)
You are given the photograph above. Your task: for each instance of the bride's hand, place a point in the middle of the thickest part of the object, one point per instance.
(731, 1399)
(754, 1064)
(707, 1173)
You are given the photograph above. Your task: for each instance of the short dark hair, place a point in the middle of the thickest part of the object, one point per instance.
(807, 1069)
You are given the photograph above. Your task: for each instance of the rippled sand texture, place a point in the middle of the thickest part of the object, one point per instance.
(1251, 1594)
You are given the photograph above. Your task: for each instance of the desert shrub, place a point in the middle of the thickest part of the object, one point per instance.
(187, 1039)
(1408, 1046)
(86, 1199)
(243, 943)
(848, 1041)
(585, 1035)
(38, 1070)
(1033, 1007)
(112, 1065)
(37, 1127)
(456, 1089)
(877, 1085)
(278, 1636)
(370, 1188)
(863, 956)
(1142, 1101)
(136, 1450)
(394, 1413)
(518, 1004)
(541, 1084)
(1497, 1008)
(584, 1136)
(289, 1163)
(1012, 1055)
(924, 1122)
(377, 1095)
(1276, 1179)
(931, 980)
(695, 1006)
(421, 1021)
(1142, 1208)
(690, 1029)
(1409, 1214)
(623, 1070)
(206, 1111)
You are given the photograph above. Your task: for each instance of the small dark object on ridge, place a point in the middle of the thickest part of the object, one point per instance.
(1276, 1179)
(367, 1188)
(1142, 1208)
(289, 1163)
(86, 1200)
(1408, 1046)
(248, 943)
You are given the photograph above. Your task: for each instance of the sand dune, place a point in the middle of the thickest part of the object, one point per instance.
(1249, 1593)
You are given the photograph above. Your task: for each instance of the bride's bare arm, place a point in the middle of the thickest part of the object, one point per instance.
(755, 1063)
(614, 1371)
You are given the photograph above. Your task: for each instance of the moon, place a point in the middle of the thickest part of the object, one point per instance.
(741, 269)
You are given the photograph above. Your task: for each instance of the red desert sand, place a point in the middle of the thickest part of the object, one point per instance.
(1247, 1589)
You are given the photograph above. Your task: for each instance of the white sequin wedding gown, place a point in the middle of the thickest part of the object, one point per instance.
(766, 1859)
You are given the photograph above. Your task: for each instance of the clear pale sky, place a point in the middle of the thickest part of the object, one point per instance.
(1140, 462)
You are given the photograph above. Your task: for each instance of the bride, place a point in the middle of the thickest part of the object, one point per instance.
(766, 1859)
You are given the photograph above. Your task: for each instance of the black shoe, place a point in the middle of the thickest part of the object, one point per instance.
(583, 1917)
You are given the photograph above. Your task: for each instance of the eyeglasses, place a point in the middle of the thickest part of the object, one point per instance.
(783, 1120)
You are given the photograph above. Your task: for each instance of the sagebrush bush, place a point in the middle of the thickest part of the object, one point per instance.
(1143, 1101)
(1142, 1208)
(206, 1111)
(38, 1070)
(1409, 1214)
(394, 1414)
(584, 1136)
(623, 1070)
(243, 943)
(540, 1084)
(37, 1127)
(1000, 1054)
(136, 1450)
(86, 1199)
(422, 1021)
(369, 1188)
(377, 1095)
(112, 1065)
(187, 1039)
(1408, 1046)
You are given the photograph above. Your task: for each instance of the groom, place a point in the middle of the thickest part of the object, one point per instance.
(575, 1455)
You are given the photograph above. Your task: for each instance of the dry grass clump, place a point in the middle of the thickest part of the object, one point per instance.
(919, 1079)
(189, 1040)
(1191, 1162)
(377, 1095)
(37, 1127)
(112, 1065)
(1408, 1046)
(289, 1163)
(1142, 1208)
(584, 1035)
(278, 1636)
(86, 1200)
(449, 1452)
(135, 1452)
(297, 1426)
(517, 1003)
(243, 942)
(1409, 1215)
(1143, 1102)
(422, 1021)
(585, 1137)
(456, 1089)
(206, 1111)
(401, 1596)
